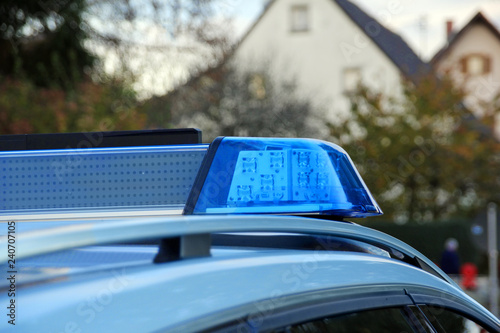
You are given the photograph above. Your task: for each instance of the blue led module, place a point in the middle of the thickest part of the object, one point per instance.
(282, 176)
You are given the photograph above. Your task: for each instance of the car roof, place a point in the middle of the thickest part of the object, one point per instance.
(229, 285)
(198, 293)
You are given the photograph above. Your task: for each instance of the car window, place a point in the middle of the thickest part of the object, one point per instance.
(446, 321)
(386, 320)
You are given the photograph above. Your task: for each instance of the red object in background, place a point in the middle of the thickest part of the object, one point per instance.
(469, 276)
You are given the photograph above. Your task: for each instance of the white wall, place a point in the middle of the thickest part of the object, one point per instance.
(318, 57)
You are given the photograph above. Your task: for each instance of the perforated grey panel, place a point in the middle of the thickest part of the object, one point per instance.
(110, 177)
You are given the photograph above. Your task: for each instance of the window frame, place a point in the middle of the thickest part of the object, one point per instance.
(339, 305)
(295, 25)
(309, 311)
(457, 307)
(465, 64)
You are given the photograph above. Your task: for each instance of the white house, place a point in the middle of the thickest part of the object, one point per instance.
(472, 58)
(328, 47)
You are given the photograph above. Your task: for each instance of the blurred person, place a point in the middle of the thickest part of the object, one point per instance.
(450, 261)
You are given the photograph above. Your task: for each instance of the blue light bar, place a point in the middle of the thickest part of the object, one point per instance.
(279, 176)
(153, 177)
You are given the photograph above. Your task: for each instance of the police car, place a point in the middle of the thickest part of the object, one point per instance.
(165, 234)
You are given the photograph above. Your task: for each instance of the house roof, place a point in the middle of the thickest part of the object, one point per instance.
(479, 18)
(396, 49)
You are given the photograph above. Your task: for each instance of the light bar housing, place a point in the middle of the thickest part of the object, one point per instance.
(83, 180)
(279, 176)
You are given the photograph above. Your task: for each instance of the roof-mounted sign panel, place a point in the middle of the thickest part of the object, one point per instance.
(279, 176)
(98, 173)
(154, 177)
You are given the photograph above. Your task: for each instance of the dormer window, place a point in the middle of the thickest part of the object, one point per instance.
(299, 18)
(475, 64)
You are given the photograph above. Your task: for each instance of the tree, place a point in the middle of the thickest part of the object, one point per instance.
(160, 42)
(57, 42)
(74, 65)
(224, 101)
(26, 108)
(43, 41)
(423, 155)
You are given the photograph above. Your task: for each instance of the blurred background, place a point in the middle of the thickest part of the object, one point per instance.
(409, 89)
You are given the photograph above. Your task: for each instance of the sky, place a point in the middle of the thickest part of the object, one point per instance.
(421, 23)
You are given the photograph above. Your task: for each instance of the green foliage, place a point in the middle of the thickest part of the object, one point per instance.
(51, 73)
(25, 108)
(423, 155)
(45, 84)
(42, 41)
